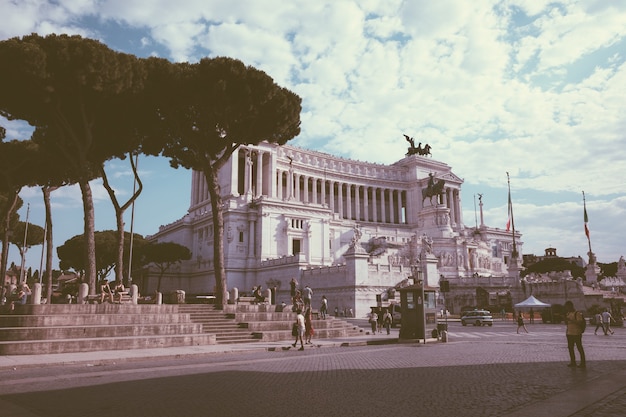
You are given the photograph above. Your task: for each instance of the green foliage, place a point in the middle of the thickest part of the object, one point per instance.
(608, 270)
(71, 252)
(34, 235)
(164, 253)
(556, 265)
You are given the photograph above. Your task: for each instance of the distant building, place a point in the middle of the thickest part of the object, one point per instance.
(351, 230)
(531, 259)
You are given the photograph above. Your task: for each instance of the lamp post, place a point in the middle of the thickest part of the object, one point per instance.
(416, 271)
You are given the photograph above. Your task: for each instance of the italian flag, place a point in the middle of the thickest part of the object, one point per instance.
(586, 221)
(508, 222)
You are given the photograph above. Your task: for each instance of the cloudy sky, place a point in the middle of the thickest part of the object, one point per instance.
(530, 87)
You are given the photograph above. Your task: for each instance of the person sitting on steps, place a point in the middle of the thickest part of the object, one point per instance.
(105, 291)
(119, 291)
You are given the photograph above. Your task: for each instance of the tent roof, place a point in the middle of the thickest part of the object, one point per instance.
(532, 302)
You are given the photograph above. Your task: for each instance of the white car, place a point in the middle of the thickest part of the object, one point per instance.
(477, 318)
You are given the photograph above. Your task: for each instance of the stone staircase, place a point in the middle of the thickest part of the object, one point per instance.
(218, 322)
(250, 323)
(66, 328)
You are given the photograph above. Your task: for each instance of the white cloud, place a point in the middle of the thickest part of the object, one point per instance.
(532, 87)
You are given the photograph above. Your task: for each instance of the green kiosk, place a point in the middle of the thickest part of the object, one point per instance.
(419, 311)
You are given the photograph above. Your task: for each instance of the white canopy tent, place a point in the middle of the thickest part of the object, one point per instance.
(532, 302)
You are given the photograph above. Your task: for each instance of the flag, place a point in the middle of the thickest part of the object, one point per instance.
(508, 222)
(586, 221)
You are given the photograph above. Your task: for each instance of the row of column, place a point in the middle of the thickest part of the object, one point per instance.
(349, 201)
(254, 173)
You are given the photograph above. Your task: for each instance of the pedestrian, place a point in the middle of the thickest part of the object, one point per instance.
(520, 322)
(336, 311)
(387, 319)
(532, 316)
(293, 284)
(599, 324)
(297, 301)
(21, 295)
(308, 326)
(373, 321)
(307, 293)
(606, 322)
(300, 327)
(324, 307)
(575, 323)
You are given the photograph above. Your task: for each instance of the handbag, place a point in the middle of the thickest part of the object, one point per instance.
(294, 329)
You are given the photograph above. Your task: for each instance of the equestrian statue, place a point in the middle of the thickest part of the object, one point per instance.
(435, 188)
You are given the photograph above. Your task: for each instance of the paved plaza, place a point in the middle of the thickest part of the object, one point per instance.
(479, 372)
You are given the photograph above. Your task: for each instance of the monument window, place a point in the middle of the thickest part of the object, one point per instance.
(296, 246)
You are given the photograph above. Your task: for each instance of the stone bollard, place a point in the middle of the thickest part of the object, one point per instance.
(267, 293)
(235, 296)
(36, 296)
(159, 298)
(134, 293)
(83, 291)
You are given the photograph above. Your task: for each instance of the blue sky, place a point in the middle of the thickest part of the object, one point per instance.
(530, 87)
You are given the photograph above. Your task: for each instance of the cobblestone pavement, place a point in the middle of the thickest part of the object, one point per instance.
(507, 375)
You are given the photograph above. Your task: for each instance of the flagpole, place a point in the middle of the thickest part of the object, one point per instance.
(586, 219)
(514, 254)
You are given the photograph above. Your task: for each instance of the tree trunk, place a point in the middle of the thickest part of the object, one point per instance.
(49, 246)
(221, 286)
(90, 240)
(10, 207)
(119, 216)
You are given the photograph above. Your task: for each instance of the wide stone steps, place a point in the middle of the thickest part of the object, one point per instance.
(33, 347)
(63, 328)
(223, 325)
(260, 323)
(66, 328)
(77, 332)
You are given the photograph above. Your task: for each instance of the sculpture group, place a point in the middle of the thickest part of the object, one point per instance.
(412, 150)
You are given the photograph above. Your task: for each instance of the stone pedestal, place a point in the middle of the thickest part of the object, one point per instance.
(591, 273)
(430, 270)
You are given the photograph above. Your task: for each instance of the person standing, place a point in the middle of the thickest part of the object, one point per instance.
(520, 322)
(387, 319)
(373, 321)
(308, 326)
(307, 293)
(300, 330)
(606, 322)
(324, 307)
(293, 284)
(599, 324)
(574, 322)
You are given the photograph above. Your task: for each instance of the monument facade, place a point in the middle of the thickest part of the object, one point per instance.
(351, 230)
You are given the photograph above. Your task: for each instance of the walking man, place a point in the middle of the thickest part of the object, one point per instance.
(324, 307)
(300, 326)
(520, 322)
(574, 322)
(599, 324)
(606, 321)
(307, 293)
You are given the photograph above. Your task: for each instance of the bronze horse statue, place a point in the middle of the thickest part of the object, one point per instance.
(412, 150)
(435, 190)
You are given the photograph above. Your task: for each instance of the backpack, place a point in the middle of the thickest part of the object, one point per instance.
(583, 323)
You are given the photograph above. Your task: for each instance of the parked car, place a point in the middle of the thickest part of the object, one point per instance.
(477, 318)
